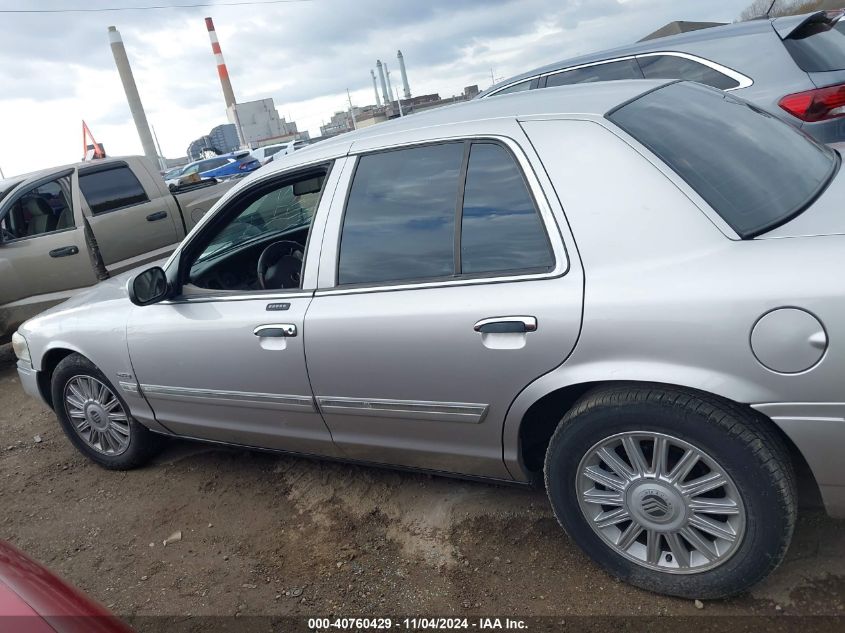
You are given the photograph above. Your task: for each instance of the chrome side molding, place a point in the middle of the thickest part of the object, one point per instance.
(217, 396)
(467, 412)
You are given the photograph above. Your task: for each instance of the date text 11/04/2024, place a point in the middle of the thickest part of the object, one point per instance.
(431, 624)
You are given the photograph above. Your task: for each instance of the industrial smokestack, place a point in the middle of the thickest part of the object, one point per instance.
(132, 96)
(384, 94)
(389, 87)
(405, 87)
(228, 93)
(375, 87)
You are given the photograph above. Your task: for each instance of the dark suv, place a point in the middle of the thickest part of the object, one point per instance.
(791, 66)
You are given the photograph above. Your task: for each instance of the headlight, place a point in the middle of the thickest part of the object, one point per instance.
(20, 347)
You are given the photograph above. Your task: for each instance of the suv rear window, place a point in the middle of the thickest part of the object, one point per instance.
(819, 45)
(756, 171)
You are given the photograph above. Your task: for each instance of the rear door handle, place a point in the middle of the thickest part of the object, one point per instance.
(158, 215)
(507, 325)
(275, 330)
(64, 251)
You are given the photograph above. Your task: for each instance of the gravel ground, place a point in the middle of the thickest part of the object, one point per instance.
(281, 536)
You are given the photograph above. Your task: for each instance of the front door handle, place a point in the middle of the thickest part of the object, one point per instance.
(158, 215)
(64, 251)
(507, 325)
(277, 330)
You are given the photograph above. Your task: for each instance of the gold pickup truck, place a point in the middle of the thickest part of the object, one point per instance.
(66, 228)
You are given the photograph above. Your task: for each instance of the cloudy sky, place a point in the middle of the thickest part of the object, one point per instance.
(56, 69)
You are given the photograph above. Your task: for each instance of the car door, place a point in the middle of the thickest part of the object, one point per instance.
(131, 220)
(225, 360)
(43, 254)
(445, 289)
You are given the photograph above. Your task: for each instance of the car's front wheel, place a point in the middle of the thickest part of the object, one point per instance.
(672, 491)
(96, 419)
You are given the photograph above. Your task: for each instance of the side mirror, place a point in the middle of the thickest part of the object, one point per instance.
(148, 287)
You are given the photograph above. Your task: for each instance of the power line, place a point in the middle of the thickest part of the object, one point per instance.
(193, 5)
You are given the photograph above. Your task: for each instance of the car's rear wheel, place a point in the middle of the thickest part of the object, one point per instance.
(96, 419)
(673, 491)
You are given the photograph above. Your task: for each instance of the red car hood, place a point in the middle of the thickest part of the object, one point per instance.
(35, 600)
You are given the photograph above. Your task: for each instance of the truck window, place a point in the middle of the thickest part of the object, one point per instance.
(111, 188)
(400, 217)
(501, 229)
(44, 209)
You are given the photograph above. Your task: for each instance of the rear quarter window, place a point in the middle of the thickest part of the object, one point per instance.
(756, 171)
(674, 67)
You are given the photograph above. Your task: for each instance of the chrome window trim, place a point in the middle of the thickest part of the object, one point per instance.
(277, 296)
(744, 81)
(467, 412)
(553, 229)
(276, 401)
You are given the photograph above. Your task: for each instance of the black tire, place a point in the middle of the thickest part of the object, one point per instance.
(738, 439)
(143, 443)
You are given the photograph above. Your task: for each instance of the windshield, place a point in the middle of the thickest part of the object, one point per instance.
(756, 171)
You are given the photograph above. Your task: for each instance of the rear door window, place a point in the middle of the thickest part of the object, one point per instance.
(673, 67)
(110, 188)
(608, 71)
(400, 216)
(440, 211)
(755, 170)
(818, 46)
(501, 229)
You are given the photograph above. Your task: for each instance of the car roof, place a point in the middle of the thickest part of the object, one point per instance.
(666, 43)
(585, 99)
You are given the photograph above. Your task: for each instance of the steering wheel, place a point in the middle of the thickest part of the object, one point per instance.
(6, 235)
(280, 265)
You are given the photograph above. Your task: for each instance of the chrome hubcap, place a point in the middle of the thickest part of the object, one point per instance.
(661, 502)
(97, 415)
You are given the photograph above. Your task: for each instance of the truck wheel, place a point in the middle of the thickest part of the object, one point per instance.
(672, 491)
(96, 419)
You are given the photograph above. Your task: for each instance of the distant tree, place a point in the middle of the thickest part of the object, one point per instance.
(758, 8)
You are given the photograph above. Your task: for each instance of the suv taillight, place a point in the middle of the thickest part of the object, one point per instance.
(816, 105)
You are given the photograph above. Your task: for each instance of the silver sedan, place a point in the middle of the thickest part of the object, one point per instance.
(628, 291)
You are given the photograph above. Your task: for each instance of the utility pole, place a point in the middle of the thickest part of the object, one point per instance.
(351, 110)
(162, 164)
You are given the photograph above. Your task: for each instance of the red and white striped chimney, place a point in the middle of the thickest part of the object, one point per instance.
(228, 93)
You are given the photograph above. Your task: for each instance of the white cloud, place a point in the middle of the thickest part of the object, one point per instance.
(57, 69)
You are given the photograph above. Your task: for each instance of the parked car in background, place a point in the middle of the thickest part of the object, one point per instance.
(63, 229)
(223, 167)
(237, 164)
(459, 291)
(793, 67)
(35, 600)
(292, 147)
(265, 154)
